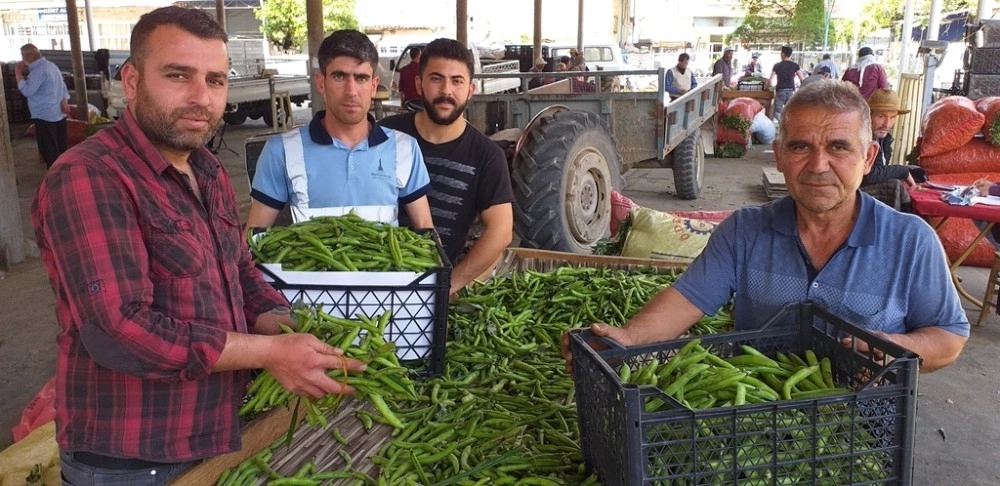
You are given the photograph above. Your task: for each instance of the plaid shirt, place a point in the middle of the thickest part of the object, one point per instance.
(148, 280)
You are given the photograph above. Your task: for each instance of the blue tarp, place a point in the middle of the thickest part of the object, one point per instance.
(952, 28)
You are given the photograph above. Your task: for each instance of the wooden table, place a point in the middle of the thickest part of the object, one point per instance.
(927, 203)
(765, 98)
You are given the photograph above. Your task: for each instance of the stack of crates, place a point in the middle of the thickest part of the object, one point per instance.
(17, 104)
(984, 63)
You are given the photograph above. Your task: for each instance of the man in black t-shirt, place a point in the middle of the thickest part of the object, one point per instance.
(785, 73)
(469, 175)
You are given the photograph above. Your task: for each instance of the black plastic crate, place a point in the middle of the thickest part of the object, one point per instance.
(768, 443)
(418, 302)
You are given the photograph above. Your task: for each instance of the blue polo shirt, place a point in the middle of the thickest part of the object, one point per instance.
(384, 170)
(890, 275)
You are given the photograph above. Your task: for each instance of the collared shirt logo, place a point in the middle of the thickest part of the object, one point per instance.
(380, 172)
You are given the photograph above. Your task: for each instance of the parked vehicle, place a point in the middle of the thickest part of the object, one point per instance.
(97, 68)
(248, 97)
(597, 56)
(252, 88)
(575, 144)
(485, 85)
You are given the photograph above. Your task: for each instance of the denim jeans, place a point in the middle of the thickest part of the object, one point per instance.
(76, 474)
(781, 97)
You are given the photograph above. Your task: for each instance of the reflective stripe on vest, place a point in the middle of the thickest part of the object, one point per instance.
(295, 165)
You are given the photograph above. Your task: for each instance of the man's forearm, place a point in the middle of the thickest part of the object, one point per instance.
(242, 352)
(482, 254)
(668, 315)
(937, 347)
(419, 212)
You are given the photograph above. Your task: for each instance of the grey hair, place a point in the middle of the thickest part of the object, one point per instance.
(833, 95)
(31, 52)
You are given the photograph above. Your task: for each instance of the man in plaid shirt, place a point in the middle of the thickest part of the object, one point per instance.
(161, 309)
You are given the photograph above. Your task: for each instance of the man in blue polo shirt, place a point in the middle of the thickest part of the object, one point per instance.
(342, 161)
(826, 242)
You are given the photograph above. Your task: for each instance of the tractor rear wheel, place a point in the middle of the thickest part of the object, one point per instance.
(563, 180)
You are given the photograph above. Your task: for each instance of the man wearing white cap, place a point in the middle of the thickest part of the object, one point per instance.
(867, 74)
(724, 66)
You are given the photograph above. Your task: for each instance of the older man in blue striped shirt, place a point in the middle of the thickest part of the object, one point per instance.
(40, 81)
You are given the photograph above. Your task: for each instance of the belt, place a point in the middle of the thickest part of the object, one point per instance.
(108, 462)
(787, 89)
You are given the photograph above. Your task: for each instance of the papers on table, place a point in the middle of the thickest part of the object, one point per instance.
(987, 200)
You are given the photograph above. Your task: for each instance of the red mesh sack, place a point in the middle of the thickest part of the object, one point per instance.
(728, 135)
(40, 411)
(974, 156)
(990, 108)
(710, 216)
(957, 233)
(745, 108)
(621, 206)
(949, 124)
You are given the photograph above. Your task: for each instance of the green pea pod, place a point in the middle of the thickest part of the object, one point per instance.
(786, 390)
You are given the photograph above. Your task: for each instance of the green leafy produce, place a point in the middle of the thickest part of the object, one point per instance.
(613, 246)
(730, 150)
(736, 123)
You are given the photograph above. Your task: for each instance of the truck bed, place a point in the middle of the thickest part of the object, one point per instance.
(242, 90)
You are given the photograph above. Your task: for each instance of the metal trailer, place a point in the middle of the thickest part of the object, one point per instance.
(574, 146)
(251, 97)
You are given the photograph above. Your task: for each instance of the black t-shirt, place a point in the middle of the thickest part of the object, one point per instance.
(468, 176)
(785, 70)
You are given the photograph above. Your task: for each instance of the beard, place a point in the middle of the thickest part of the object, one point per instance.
(430, 107)
(160, 125)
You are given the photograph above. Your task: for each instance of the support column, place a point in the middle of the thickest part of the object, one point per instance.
(79, 77)
(904, 44)
(91, 38)
(462, 21)
(536, 46)
(579, 27)
(11, 234)
(934, 22)
(220, 13)
(314, 37)
(984, 12)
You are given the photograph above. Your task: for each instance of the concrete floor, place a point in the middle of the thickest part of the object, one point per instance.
(962, 401)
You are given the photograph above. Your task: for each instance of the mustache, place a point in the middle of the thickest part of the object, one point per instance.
(445, 99)
(817, 179)
(193, 112)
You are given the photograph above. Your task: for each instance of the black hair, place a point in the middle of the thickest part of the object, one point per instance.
(349, 43)
(449, 49)
(786, 50)
(414, 52)
(683, 57)
(194, 21)
(826, 56)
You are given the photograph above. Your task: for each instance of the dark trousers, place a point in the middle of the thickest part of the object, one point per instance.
(76, 472)
(51, 138)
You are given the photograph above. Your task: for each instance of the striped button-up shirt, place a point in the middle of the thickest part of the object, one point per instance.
(148, 280)
(45, 90)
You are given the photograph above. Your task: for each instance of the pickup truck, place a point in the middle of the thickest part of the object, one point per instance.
(483, 66)
(248, 97)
